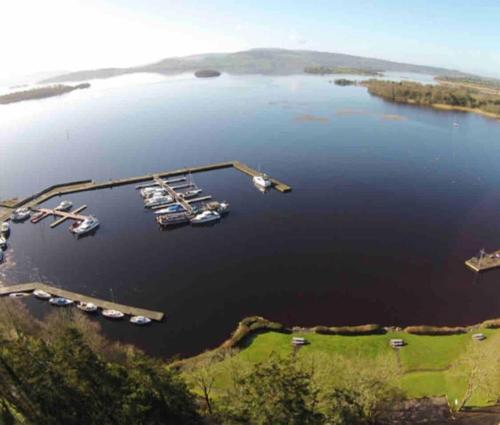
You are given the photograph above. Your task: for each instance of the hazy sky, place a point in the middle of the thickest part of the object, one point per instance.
(45, 35)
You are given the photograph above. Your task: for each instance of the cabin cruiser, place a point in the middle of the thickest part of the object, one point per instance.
(19, 295)
(64, 206)
(140, 320)
(220, 207)
(60, 302)
(20, 214)
(3, 242)
(5, 227)
(172, 209)
(85, 226)
(157, 201)
(262, 180)
(173, 219)
(113, 314)
(87, 307)
(156, 192)
(190, 193)
(42, 295)
(205, 217)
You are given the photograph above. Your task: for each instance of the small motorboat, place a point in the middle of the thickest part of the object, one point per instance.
(262, 180)
(42, 295)
(5, 227)
(20, 214)
(3, 242)
(64, 206)
(190, 193)
(176, 208)
(220, 207)
(156, 201)
(173, 219)
(156, 192)
(205, 217)
(113, 314)
(19, 295)
(84, 226)
(140, 320)
(87, 307)
(60, 302)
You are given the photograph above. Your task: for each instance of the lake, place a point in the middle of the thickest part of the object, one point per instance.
(388, 202)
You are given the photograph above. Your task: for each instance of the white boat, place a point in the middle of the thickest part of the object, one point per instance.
(87, 307)
(157, 201)
(42, 295)
(190, 193)
(60, 302)
(171, 220)
(262, 180)
(140, 320)
(85, 226)
(5, 227)
(64, 206)
(3, 242)
(113, 314)
(157, 191)
(20, 214)
(220, 207)
(19, 295)
(176, 208)
(205, 217)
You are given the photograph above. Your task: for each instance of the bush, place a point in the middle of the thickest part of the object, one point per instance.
(370, 329)
(435, 330)
(251, 325)
(491, 324)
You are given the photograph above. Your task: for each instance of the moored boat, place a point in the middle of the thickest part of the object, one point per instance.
(60, 302)
(220, 207)
(140, 320)
(113, 314)
(20, 214)
(5, 227)
(190, 193)
(173, 219)
(3, 242)
(42, 295)
(1, 256)
(19, 295)
(157, 201)
(205, 217)
(64, 206)
(84, 226)
(262, 180)
(38, 216)
(87, 307)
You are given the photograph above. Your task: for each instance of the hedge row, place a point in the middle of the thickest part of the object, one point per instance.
(349, 330)
(491, 324)
(435, 330)
(250, 325)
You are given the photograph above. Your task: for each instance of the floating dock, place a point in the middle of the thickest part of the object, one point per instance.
(105, 305)
(85, 185)
(70, 215)
(484, 261)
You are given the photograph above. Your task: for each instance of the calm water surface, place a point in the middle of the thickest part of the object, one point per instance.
(388, 201)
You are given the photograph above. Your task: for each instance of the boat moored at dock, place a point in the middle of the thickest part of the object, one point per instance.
(113, 314)
(87, 307)
(41, 294)
(64, 206)
(262, 181)
(140, 320)
(60, 302)
(5, 227)
(82, 227)
(19, 295)
(176, 219)
(206, 217)
(20, 214)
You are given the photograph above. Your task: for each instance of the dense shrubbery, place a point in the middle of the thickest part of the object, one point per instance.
(40, 92)
(422, 94)
(435, 330)
(491, 324)
(325, 70)
(349, 330)
(344, 82)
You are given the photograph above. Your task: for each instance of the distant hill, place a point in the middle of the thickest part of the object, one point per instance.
(259, 61)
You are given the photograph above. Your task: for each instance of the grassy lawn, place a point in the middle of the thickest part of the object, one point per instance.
(426, 361)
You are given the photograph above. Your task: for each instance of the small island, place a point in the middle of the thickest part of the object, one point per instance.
(206, 73)
(327, 70)
(40, 93)
(344, 82)
(481, 99)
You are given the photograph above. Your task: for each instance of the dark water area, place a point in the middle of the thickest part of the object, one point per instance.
(387, 203)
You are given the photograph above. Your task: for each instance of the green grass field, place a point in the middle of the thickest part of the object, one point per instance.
(428, 365)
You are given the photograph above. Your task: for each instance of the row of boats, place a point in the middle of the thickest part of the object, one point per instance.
(87, 307)
(173, 207)
(4, 235)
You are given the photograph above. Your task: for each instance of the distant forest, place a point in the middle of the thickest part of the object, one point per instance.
(40, 93)
(325, 70)
(457, 96)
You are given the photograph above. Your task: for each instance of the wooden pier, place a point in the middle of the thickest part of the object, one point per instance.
(484, 261)
(71, 215)
(85, 185)
(177, 198)
(105, 305)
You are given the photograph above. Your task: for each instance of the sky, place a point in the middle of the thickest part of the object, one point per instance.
(68, 35)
